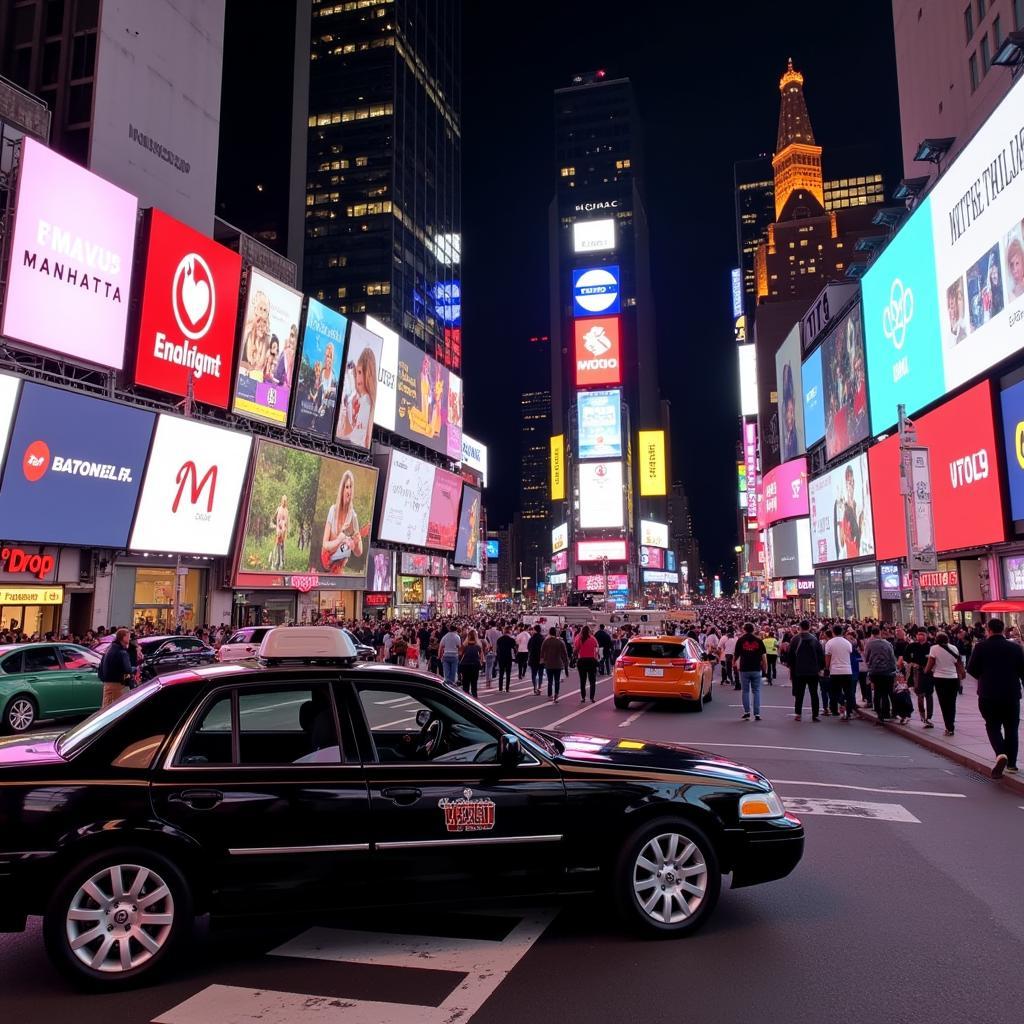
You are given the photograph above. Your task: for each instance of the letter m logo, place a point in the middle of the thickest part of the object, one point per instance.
(190, 475)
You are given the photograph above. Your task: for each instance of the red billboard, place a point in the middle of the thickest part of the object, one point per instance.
(598, 356)
(967, 503)
(189, 307)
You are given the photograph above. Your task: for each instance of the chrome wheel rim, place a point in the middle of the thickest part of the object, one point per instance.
(120, 918)
(670, 878)
(21, 715)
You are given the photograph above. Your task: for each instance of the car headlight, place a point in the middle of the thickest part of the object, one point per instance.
(762, 805)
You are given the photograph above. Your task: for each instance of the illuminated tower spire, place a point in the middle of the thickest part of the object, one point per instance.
(797, 160)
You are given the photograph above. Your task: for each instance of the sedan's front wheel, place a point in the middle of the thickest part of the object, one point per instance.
(20, 714)
(117, 918)
(667, 880)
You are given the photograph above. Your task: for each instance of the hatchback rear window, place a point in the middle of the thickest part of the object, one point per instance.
(649, 649)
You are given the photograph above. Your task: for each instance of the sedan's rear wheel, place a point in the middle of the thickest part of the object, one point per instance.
(20, 714)
(117, 918)
(621, 702)
(667, 879)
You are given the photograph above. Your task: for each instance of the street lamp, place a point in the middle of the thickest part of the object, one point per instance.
(738, 549)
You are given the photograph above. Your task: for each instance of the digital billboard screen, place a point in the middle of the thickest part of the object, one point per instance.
(785, 492)
(813, 398)
(405, 510)
(560, 537)
(652, 558)
(315, 401)
(74, 468)
(387, 374)
(70, 266)
(593, 235)
(306, 514)
(596, 550)
(414, 564)
(653, 534)
(599, 423)
(598, 351)
(594, 584)
(560, 561)
(493, 549)
(359, 387)
(266, 354)
(967, 507)
(8, 401)
(445, 498)
(188, 313)
(846, 387)
(467, 543)
(422, 403)
(788, 383)
(381, 576)
(790, 545)
(601, 495)
(1012, 401)
(651, 463)
(595, 290)
(192, 488)
(842, 525)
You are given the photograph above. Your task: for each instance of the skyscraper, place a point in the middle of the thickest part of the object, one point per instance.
(383, 201)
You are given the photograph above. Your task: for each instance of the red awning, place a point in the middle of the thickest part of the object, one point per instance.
(1003, 606)
(969, 606)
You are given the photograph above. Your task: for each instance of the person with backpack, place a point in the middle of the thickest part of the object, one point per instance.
(946, 668)
(807, 663)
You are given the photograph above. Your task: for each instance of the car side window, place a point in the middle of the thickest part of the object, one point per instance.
(76, 660)
(209, 742)
(41, 659)
(239, 638)
(287, 726)
(11, 665)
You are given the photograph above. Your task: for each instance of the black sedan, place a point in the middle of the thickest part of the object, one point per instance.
(229, 789)
(166, 653)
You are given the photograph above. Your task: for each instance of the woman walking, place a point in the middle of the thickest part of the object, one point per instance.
(470, 662)
(556, 659)
(586, 661)
(947, 669)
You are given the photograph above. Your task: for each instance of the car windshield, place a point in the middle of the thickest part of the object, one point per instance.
(653, 649)
(82, 734)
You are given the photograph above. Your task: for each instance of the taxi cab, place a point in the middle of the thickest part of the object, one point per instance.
(662, 668)
(312, 781)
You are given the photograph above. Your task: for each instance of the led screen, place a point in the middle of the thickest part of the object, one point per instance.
(593, 235)
(599, 417)
(595, 583)
(813, 398)
(790, 545)
(652, 558)
(315, 402)
(601, 495)
(596, 550)
(387, 374)
(788, 383)
(842, 526)
(595, 290)
(422, 402)
(846, 388)
(785, 492)
(493, 549)
(653, 534)
(560, 537)
(467, 543)
(405, 511)
(1012, 400)
(381, 576)
(598, 351)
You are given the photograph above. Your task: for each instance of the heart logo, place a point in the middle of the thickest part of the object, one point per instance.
(193, 297)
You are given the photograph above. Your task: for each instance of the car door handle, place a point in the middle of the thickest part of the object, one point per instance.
(197, 799)
(401, 795)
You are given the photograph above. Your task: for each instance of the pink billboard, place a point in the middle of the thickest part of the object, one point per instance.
(784, 492)
(595, 584)
(443, 523)
(71, 260)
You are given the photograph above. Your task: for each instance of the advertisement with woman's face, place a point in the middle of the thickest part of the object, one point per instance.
(467, 543)
(266, 357)
(381, 577)
(442, 527)
(316, 395)
(844, 379)
(359, 388)
(842, 526)
(422, 404)
(788, 384)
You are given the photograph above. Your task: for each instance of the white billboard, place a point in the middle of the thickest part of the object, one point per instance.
(748, 380)
(405, 514)
(474, 455)
(596, 550)
(8, 398)
(560, 538)
(387, 375)
(842, 525)
(601, 491)
(156, 107)
(653, 534)
(657, 576)
(190, 493)
(593, 235)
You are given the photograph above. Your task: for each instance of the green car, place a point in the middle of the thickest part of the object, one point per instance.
(40, 681)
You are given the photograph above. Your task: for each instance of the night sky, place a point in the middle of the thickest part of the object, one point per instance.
(706, 80)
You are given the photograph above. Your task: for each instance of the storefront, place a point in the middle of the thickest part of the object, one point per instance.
(146, 590)
(848, 591)
(333, 606)
(33, 610)
(264, 608)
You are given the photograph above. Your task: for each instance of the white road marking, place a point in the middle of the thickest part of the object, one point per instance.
(633, 717)
(851, 809)
(868, 789)
(586, 707)
(508, 700)
(394, 700)
(806, 750)
(397, 721)
(484, 963)
(774, 707)
(526, 711)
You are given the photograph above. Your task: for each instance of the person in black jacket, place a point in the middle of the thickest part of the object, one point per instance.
(998, 665)
(533, 653)
(506, 651)
(604, 642)
(807, 662)
(115, 669)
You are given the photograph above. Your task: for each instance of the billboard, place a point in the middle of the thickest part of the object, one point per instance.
(474, 455)
(598, 352)
(422, 402)
(813, 399)
(405, 510)
(493, 549)
(842, 526)
(653, 534)
(601, 492)
(413, 564)
(74, 468)
(191, 490)
(467, 543)
(315, 401)
(595, 584)
(307, 514)
(788, 381)
(785, 492)
(966, 499)
(188, 313)
(558, 578)
(410, 590)
(387, 375)
(454, 415)
(70, 266)
(560, 538)
(8, 401)
(595, 290)
(593, 235)
(750, 460)
(381, 576)
(597, 550)
(790, 545)
(558, 467)
(748, 379)
(560, 561)
(653, 476)
(652, 558)
(846, 386)
(156, 112)
(1012, 401)
(656, 576)
(266, 351)
(360, 383)
(599, 423)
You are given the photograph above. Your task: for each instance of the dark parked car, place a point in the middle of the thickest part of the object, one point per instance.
(316, 781)
(166, 653)
(364, 652)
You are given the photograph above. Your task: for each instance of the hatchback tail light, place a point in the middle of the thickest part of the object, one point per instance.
(626, 662)
(688, 666)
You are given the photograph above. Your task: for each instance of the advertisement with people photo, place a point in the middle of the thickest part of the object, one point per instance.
(316, 393)
(841, 521)
(359, 387)
(791, 419)
(846, 386)
(422, 398)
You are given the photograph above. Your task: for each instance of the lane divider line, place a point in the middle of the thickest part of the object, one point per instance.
(869, 789)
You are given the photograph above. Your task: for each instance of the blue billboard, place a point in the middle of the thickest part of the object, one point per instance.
(599, 416)
(595, 291)
(493, 549)
(814, 399)
(901, 323)
(1013, 442)
(74, 468)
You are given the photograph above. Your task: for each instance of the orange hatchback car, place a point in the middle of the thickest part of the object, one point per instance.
(662, 668)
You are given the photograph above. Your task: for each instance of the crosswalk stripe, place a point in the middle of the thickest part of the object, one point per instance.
(851, 809)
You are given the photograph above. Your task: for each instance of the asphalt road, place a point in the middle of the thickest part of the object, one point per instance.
(908, 906)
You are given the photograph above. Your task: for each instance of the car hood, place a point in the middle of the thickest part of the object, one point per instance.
(37, 749)
(585, 750)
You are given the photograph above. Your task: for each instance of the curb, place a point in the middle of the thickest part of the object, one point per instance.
(1015, 783)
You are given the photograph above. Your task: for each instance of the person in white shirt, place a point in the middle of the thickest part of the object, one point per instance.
(839, 667)
(947, 669)
(711, 648)
(491, 636)
(522, 650)
(730, 674)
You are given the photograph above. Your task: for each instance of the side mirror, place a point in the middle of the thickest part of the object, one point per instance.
(510, 750)
(422, 717)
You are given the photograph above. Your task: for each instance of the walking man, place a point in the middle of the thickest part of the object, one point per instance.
(522, 650)
(880, 658)
(729, 672)
(752, 661)
(807, 662)
(998, 665)
(506, 650)
(491, 636)
(838, 664)
(451, 645)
